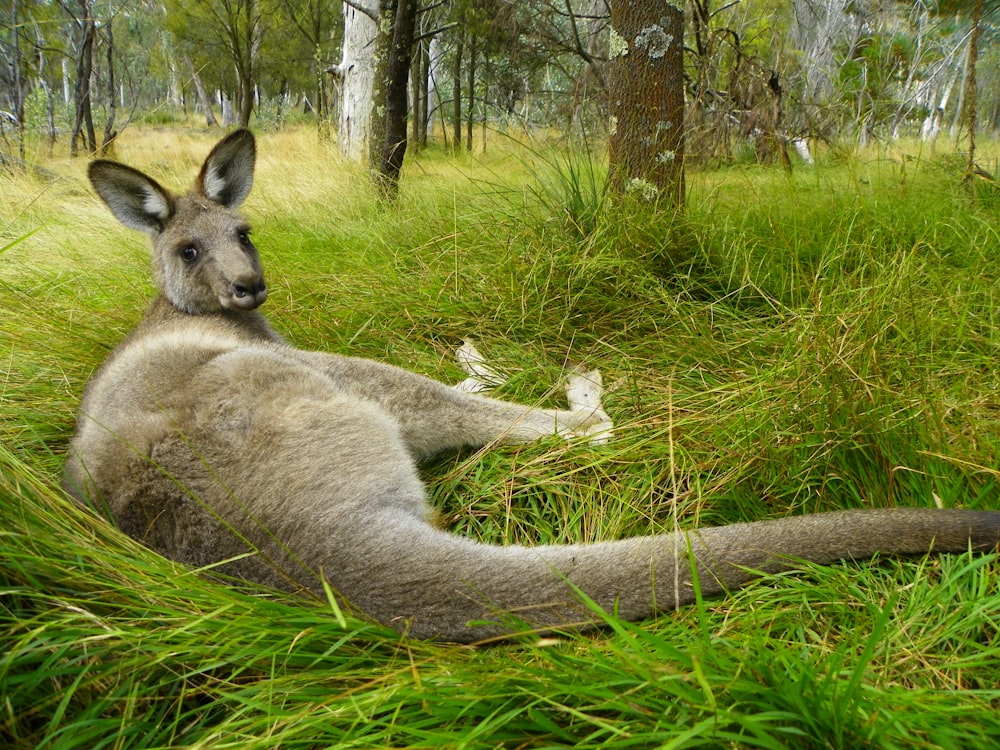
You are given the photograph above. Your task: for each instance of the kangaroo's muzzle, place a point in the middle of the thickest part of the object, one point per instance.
(247, 294)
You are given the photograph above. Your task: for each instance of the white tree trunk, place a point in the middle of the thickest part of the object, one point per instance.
(802, 149)
(935, 118)
(355, 76)
(818, 25)
(67, 83)
(960, 105)
(436, 53)
(228, 117)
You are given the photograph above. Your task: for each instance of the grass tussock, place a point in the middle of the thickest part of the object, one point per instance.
(794, 344)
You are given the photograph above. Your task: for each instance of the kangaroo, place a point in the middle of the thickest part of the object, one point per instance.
(210, 439)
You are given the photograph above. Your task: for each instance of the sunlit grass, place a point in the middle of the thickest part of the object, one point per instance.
(802, 343)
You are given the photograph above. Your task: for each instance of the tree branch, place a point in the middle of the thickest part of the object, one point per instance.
(372, 14)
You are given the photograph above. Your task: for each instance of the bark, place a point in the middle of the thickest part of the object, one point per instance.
(83, 121)
(646, 92)
(18, 81)
(419, 81)
(434, 55)
(354, 79)
(246, 47)
(934, 121)
(962, 91)
(227, 112)
(818, 28)
(471, 99)
(970, 85)
(67, 83)
(109, 127)
(204, 100)
(456, 101)
(390, 104)
(50, 112)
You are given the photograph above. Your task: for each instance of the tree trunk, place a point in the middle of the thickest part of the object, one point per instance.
(378, 119)
(456, 100)
(421, 87)
(354, 78)
(970, 85)
(434, 54)
(322, 105)
(960, 110)
(819, 28)
(227, 111)
(83, 122)
(470, 109)
(247, 51)
(646, 88)
(204, 101)
(390, 104)
(50, 112)
(67, 83)
(18, 76)
(109, 127)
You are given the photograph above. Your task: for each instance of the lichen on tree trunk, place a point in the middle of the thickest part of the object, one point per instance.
(646, 92)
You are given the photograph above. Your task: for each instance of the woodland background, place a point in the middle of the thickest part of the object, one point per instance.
(760, 77)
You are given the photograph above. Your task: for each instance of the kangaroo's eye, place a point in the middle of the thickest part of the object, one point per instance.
(189, 254)
(244, 238)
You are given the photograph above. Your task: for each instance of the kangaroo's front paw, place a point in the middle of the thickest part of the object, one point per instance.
(588, 419)
(482, 377)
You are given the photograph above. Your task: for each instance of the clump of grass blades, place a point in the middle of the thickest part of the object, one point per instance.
(117, 648)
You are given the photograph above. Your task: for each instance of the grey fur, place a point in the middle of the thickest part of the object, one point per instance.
(210, 439)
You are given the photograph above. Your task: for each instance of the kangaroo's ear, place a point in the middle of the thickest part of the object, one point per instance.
(227, 174)
(137, 201)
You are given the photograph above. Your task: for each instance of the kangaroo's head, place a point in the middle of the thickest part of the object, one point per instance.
(203, 258)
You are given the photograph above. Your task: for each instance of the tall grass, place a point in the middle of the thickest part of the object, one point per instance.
(792, 345)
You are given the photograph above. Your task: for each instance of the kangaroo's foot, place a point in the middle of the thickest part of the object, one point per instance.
(482, 377)
(584, 390)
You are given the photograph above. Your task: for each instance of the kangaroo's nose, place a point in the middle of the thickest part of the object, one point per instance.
(249, 293)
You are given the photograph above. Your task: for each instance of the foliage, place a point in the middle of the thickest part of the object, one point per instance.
(758, 74)
(797, 344)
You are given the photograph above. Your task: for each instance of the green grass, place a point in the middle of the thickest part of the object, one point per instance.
(795, 344)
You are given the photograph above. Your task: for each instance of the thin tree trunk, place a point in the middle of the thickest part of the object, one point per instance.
(18, 83)
(109, 127)
(226, 105)
(960, 105)
(456, 99)
(390, 106)
(204, 100)
(83, 124)
(470, 108)
(970, 85)
(418, 95)
(433, 75)
(456, 102)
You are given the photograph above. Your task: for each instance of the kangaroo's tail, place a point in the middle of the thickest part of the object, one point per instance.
(432, 584)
